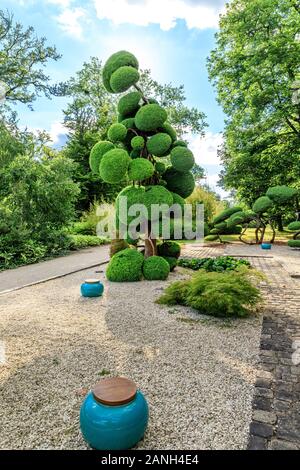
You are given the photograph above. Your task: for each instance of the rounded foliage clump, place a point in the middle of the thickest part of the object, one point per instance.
(182, 159)
(226, 214)
(150, 117)
(169, 249)
(128, 123)
(294, 243)
(281, 194)
(160, 167)
(125, 266)
(156, 268)
(178, 200)
(159, 144)
(211, 238)
(137, 142)
(115, 61)
(124, 78)
(97, 153)
(236, 218)
(172, 262)
(135, 153)
(134, 195)
(117, 132)
(129, 104)
(262, 204)
(293, 226)
(180, 183)
(140, 169)
(168, 129)
(157, 195)
(179, 143)
(114, 165)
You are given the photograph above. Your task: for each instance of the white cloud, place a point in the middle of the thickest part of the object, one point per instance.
(200, 15)
(69, 21)
(57, 130)
(60, 3)
(205, 148)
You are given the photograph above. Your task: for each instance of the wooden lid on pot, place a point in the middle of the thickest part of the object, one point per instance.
(114, 391)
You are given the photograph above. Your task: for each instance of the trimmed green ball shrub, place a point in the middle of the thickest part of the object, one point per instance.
(129, 104)
(140, 169)
(150, 117)
(156, 268)
(172, 262)
(137, 142)
(117, 132)
(182, 159)
(97, 153)
(125, 266)
(135, 153)
(157, 195)
(281, 194)
(115, 61)
(179, 143)
(159, 144)
(226, 214)
(168, 129)
(160, 167)
(178, 200)
(294, 243)
(135, 195)
(237, 218)
(262, 204)
(129, 123)
(114, 165)
(220, 226)
(180, 183)
(124, 78)
(294, 226)
(169, 249)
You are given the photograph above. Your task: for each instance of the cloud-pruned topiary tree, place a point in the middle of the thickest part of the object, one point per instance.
(136, 144)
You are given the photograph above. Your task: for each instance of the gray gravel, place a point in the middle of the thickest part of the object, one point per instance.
(196, 372)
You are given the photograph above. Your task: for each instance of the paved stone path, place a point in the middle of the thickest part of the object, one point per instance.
(40, 272)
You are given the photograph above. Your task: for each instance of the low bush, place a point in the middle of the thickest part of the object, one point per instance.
(83, 228)
(156, 268)
(125, 266)
(294, 243)
(219, 264)
(172, 262)
(169, 249)
(83, 241)
(227, 294)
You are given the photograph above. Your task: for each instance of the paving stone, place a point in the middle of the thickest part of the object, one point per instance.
(264, 416)
(261, 429)
(263, 392)
(262, 403)
(277, 444)
(257, 443)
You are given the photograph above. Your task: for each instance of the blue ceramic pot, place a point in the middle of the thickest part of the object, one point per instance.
(92, 288)
(107, 427)
(266, 246)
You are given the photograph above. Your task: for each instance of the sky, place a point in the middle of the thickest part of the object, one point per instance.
(171, 37)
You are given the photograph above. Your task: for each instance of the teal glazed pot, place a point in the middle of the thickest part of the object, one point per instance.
(266, 246)
(114, 415)
(92, 288)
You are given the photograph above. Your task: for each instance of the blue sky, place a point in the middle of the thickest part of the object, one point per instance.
(171, 37)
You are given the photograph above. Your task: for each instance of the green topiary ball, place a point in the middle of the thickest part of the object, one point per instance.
(117, 60)
(294, 243)
(159, 144)
(150, 117)
(114, 165)
(178, 200)
(125, 266)
(160, 167)
(168, 129)
(180, 183)
(169, 248)
(179, 143)
(124, 78)
(156, 268)
(281, 194)
(182, 159)
(157, 195)
(135, 153)
(97, 153)
(137, 142)
(262, 204)
(226, 214)
(129, 104)
(294, 226)
(140, 169)
(117, 132)
(128, 123)
(172, 262)
(135, 195)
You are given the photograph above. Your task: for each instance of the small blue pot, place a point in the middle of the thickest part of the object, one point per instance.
(107, 427)
(266, 246)
(92, 288)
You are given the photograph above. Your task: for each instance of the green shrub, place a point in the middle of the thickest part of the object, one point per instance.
(281, 194)
(150, 117)
(156, 268)
(159, 144)
(178, 200)
(168, 129)
(294, 243)
(129, 123)
(219, 264)
(137, 142)
(172, 262)
(129, 104)
(226, 214)
(211, 238)
(125, 266)
(160, 167)
(97, 153)
(135, 195)
(83, 228)
(169, 249)
(114, 165)
(140, 169)
(84, 241)
(180, 183)
(124, 78)
(262, 204)
(228, 294)
(115, 61)
(117, 132)
(236, 219)
(294, 226)
(179, 143)
(157, 195)
(182, 159)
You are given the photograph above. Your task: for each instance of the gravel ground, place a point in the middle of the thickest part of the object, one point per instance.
(196, 372)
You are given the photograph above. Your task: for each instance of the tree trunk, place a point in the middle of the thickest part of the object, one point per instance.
(150, 247)
(279, 223)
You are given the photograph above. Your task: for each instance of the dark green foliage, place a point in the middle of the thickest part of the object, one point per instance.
(125, 266)
(294, 226)
(97, 153)
(117, 132)
(235, 219)
(128, 123)
(114, 165)
(178, 200)
(219, 264)
(117, 60)
(156, 268)
(220, 226)
(140, 169)
(168, 129)
(129, 104)
(179, 143)
(180, 183)
(135, 153)
(137, 142)
(172, 262)
(294, 243)
(135, 195)
(157, 195)
(150, 117)
(160, 167)
(169, 249)
(83, 228)
(227, 294)
(262, 204)
(159, 144)
(78, 242)
(124, 78)
(226, 214)
(281, 194)
(182, 159)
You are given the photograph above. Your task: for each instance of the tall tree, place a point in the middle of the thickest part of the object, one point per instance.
(255, 68)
